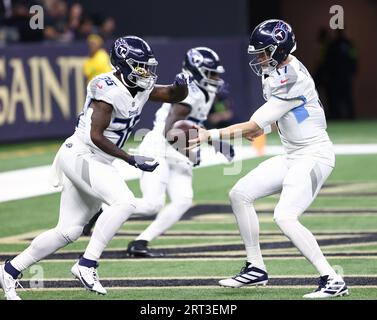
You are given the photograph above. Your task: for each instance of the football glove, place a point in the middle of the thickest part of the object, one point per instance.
(182, 79)
(141, 163)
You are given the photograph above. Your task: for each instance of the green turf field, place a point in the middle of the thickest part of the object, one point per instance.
(203, 248)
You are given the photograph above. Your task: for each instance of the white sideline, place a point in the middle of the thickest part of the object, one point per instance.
(25, 183)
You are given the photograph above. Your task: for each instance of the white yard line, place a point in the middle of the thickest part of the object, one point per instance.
(26, 183)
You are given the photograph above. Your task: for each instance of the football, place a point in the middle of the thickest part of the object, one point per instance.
(181, 132)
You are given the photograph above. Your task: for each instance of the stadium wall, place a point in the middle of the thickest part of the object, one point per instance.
(42, 87)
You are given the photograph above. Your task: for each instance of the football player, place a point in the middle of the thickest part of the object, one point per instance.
(292, 103)
(83, 164)
(174, 174)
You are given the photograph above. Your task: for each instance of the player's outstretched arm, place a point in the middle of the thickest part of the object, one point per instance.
(267, 114)
(101, 117)
(248, 128)
(172, 93)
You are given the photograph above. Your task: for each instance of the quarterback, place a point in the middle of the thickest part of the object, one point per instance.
(174, 174)
(292, 103)
(83, 164)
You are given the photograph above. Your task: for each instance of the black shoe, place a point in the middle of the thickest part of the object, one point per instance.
(139, 248)
(87, 231)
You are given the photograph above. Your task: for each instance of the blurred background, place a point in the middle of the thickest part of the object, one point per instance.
(43, 72)
(43, 78)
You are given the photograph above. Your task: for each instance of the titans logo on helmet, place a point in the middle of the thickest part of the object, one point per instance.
(195, 57)
(280, 32)
(121, 48)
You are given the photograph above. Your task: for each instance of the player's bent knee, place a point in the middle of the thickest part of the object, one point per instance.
(236, 196)
(56, 238)
(284, 213)
(127, 203)
(153, 208)
(126, 207)
(284, 219)
(70, 234)
(183, 204)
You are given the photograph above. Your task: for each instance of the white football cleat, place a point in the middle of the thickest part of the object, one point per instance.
(8, 284)
(249, 275)
(88, 277)
(329, 287)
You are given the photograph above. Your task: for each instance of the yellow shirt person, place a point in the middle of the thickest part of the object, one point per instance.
(98, 61)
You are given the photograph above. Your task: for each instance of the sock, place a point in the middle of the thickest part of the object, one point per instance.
(306, 243)
(108, 224)
(248, 225)
(87, 263)
(323, 267)
(166, 218)
(11, 270)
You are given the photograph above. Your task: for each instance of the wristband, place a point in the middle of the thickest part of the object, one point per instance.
(214, 134)
(267, 130)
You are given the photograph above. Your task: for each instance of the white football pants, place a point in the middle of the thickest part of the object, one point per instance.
(173, 177)
(88, 181)
(299, 181)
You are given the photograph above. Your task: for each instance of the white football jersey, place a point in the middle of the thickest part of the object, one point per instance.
(303, 129)
(126, 110)
(199, 102)
(154, 143)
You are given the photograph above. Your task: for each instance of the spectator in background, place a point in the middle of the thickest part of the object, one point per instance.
(321, 75)
(74, 19)
(221, 114)
(56, 21)
(5, 8)
(16, 26)
(107, 29)
(63, 22)
(341, 65)
(87, 28)
(98, 61)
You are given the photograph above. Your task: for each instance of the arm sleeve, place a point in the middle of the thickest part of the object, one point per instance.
(273, 110)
